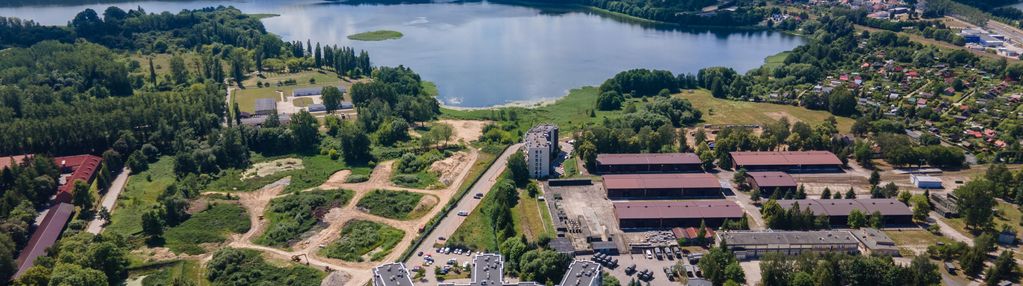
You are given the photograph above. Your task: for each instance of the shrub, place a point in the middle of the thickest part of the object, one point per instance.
(356, 179)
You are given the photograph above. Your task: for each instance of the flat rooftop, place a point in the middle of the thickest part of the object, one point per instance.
(661, 181)
(842, 207)
(649, 159)
(391, 274)
(769, 237)
(772, 179)
(581, 272)
(769, 158)
(677, 209)
(488, 269)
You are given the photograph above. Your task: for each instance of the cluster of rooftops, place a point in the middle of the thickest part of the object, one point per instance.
(488, 269)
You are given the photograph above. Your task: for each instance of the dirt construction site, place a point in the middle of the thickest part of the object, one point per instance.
(329, 228)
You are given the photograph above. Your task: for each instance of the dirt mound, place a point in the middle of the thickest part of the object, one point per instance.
(272, 167)
(449, 167)
(336, 278)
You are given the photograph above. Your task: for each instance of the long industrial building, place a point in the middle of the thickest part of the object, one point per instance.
(45, 236)
(893, 211)
(670, 214)
(654, 186)
(796, 161)
(767, 183)
(648, 163)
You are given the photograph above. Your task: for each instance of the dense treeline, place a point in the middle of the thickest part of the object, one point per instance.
(683, 12)
(844, 269)
(76, 107)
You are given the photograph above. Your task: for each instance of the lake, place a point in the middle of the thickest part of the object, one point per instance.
(485, 54)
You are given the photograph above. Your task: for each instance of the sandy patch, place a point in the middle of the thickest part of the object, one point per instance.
(336, 278)
(466, 130)
(449, 168)
(778, 115)
(264, 169)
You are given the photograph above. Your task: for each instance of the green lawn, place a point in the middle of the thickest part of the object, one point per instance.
(294, 214)
(302, 102)
(139, 194)
(724, 111)
(393, 204)
(379, 35)
(360, 238)
(776, 60)
(420, 180)
(571, 167)
(210, 226)
(318, 168)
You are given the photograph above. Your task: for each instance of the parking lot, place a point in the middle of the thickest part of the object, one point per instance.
(630, 265)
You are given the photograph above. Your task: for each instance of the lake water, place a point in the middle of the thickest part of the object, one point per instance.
(485, 54)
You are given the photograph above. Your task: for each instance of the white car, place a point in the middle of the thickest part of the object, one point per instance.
(463, 213)
(649, 255)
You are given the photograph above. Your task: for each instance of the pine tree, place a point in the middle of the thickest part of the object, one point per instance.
(826, 194)
(152, 72)
(851, 194)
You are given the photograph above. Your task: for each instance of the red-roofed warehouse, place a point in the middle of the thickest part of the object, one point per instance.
(668, 214)
(662, 185)
(648, 163)
(770, 182)
(799, 161)
(893, 211)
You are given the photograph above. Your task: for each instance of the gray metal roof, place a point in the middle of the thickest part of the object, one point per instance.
(823, 237)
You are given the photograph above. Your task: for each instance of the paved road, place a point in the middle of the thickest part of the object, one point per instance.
(109, 200)
(450, 223)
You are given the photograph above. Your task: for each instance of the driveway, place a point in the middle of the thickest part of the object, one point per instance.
(109, 200)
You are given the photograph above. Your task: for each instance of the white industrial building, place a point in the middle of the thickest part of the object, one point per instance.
(541, 145)
(925, 182)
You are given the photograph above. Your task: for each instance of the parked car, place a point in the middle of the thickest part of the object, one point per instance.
(463, 213)
(419, 254)
(649, 254)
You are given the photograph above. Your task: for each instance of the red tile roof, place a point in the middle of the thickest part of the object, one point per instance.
(770, 158)
(44, 236)
(648, 159)
(677, 209)
(772, 179)
(661, 181)
(887, 207)
(82, 168)
(9, 161)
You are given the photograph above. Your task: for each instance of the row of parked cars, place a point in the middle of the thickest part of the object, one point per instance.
(669, 252)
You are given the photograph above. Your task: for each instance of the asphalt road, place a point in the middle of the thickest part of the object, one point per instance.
(109, 200)
(450, 223)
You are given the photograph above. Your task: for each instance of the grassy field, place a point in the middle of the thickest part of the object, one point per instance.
(302, 102)
(210, 226)
(393, 204)
(529, 217)
(723, 111)
(420, 180)
(571, 112)
(1005, 214)
(776, 60)
(294, 214)
(571, 167)
(360, 238)
(378, 35)
(139, 194)
(914, 238)
(246, 97)
(318, 168)
(167, 272)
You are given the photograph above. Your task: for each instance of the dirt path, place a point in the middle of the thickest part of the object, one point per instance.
(360, 272)
(466, 130)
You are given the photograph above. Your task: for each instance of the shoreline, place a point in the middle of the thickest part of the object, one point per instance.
(514, 104)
